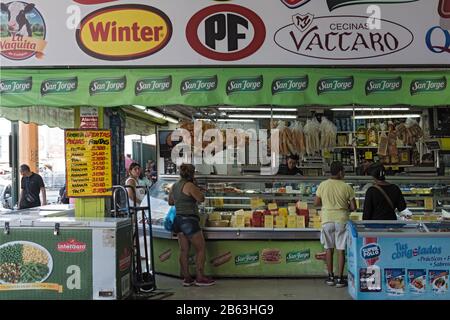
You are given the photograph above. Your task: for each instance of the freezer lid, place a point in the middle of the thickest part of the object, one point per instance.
(81, 222)
(57, 207)
(400, 227)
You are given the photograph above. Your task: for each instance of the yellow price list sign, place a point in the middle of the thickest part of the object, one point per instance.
(88, 163)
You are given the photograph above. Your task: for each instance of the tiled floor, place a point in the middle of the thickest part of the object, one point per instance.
(253, 289)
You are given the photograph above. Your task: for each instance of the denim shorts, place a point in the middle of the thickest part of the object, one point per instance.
(188, 225)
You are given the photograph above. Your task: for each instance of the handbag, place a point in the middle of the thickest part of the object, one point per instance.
(169, 219)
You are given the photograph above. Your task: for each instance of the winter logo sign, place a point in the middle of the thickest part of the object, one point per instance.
(22, 31)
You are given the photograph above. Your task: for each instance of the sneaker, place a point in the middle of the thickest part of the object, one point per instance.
(204, 282)
(341, 283)
(188, 282)
(330, 281)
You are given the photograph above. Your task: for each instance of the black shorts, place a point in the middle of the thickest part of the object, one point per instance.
(188, 225)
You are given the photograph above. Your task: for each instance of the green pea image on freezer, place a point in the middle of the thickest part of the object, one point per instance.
(65, 258)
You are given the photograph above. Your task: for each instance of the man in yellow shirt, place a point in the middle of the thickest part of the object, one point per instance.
(337, 199)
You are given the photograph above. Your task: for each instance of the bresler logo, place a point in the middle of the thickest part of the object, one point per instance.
(335, 85)
(225, 32)
(16, 86)
(71, 245)
(289, 84)
(383, 85)
(428, 85)
(153, 85)
(245, 84)
(334, 4)
(293, 4)
(58, 86)
(22, 31)
(107, 85)
(197, 85)
(341, 37)
(124, 32)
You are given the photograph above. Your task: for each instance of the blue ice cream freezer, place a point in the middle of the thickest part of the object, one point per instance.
(398, 260)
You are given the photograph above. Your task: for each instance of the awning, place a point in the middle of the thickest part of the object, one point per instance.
(223, 86)
(53, 117)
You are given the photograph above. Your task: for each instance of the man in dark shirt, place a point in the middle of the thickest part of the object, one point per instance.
(291, 169)
(376, 204)
(31, 186)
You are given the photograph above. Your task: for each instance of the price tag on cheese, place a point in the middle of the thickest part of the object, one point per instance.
(268, 221)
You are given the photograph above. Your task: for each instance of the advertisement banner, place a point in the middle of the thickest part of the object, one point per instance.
(224, 33)
(34, 264)
(88, 163)
(223, 86)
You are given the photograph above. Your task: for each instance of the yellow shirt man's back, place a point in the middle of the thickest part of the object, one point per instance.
(335, 195)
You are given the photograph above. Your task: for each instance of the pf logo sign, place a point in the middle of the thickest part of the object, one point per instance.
(225, 32)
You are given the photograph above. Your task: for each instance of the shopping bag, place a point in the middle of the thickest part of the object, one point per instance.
(170, 217)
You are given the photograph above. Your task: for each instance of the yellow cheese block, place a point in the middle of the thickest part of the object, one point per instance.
(302, 205)
(292, 221)
(313, 212)
(268, 221)
(240, 221)
(283, 212)
(215, 216)
(280, 222)
(300, 223)
(272, 206)
(292, 210)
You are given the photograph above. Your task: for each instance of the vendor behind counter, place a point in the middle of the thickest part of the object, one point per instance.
(291, 167)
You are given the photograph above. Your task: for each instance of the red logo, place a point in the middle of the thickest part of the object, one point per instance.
(292, 4)
(125, 260)
(225, 32)
(71, 245)
(444, 8)
(88, 2)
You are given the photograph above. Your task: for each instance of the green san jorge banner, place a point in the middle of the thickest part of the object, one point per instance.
(222, 86)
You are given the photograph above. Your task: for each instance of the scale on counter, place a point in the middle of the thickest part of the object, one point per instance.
(433, 144)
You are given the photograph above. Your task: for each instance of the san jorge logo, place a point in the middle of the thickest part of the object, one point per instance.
(370, 251)
(124, 32)
(341, 37)
(22, 31)
(71, 245)
(225, 32)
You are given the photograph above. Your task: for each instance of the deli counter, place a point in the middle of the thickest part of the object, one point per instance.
(266, 226)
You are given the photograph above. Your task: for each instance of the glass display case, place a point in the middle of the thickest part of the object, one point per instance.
(240, 241)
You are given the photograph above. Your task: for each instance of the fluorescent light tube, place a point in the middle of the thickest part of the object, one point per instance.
(389, 116)
(370, 109)
(235, 120)
(257, 109)
(262, 116)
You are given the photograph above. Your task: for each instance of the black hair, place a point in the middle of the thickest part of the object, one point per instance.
(187, 171)
(377, 171)
(293, 157)
(133, 165)
(336, 167)
(24, 168)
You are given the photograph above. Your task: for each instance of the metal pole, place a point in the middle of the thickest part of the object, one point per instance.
(14, 161)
